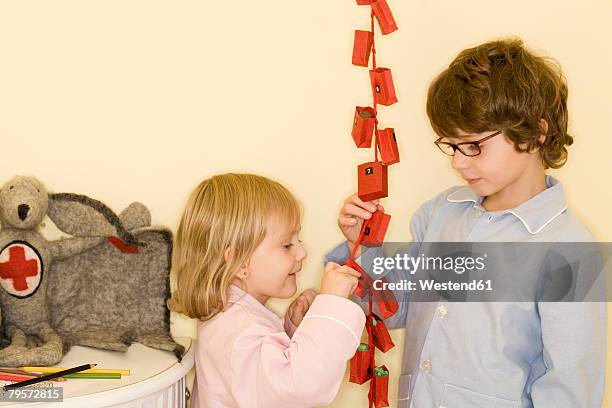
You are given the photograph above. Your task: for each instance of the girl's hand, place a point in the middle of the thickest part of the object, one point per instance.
(299, 307)
(352, 214)
(339, 280)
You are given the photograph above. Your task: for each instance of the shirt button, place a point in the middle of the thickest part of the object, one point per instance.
(426, 366)
(442, 311)
(490, 218)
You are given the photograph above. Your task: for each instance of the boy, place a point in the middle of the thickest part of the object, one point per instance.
(501, 113)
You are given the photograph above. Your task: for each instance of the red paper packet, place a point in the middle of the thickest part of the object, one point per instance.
(362, 47)
(389, 153)
(382, 85)
(375, 229)
(381, 337)
(372, 181)
(364, 285)
(386, 302)
(364, 122)
(381, 387)
(360, 365)
(383, 14)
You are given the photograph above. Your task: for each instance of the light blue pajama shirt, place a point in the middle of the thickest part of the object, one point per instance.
(497, 354)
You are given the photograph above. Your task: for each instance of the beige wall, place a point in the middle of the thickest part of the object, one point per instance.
(139, 100)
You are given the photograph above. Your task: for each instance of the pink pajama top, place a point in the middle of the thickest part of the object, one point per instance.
(247, 356)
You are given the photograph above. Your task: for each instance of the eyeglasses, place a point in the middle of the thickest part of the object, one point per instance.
(467, 148)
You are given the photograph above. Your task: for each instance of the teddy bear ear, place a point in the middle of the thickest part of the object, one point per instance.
(82, 216)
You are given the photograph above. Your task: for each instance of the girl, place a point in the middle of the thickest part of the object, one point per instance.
(236, 247)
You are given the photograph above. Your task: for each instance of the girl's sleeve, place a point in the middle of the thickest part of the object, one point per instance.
(268, 368)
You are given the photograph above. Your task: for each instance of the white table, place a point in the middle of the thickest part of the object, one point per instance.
(157, 379)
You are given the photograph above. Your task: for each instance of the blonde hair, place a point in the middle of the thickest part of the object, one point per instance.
(226, 211)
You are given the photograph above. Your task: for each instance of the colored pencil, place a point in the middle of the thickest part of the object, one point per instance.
(113, 376)
(28, 374)
(19, 373)
(49, 376)
(14, 377)
(45, 370)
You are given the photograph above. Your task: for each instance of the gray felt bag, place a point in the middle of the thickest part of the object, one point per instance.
(106, 286)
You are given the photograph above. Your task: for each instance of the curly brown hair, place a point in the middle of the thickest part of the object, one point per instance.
(501, 85)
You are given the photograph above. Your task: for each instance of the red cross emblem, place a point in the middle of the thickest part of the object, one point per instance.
(20, 269)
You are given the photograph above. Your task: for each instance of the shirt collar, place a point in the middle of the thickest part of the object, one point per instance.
(240, 297)
(535, 213)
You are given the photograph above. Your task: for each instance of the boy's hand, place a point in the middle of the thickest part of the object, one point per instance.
(339, 280)
(299, 307)
(352, 214)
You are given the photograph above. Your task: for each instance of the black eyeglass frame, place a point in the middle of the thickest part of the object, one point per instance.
(457, 146)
